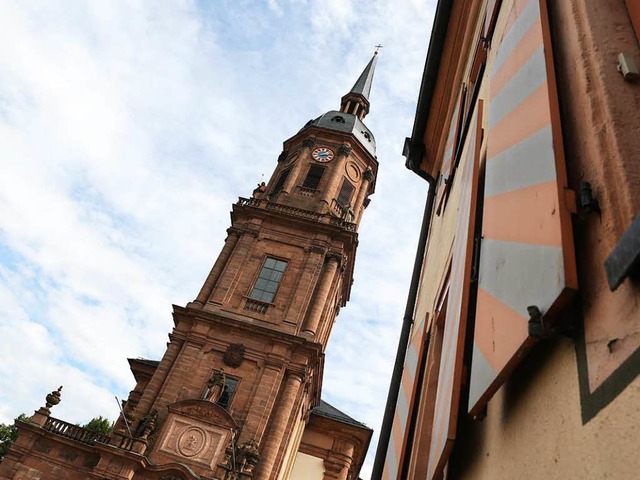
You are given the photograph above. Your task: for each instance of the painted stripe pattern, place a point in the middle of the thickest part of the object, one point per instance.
(526, 227)
(404, 405)
(449, 378)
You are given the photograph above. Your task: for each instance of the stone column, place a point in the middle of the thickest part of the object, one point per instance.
(367, 178)
(338, 463)
(216, 270)
(291, 182)
(337, 173)
(322, 293)
(278, 426)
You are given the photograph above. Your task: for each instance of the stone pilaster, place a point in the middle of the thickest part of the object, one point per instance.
(278, 425)
(321, 294)
(337, 174)
(216, 270)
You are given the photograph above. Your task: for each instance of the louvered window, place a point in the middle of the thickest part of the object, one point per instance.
(314, 175)
(281, 180)
(344, 197)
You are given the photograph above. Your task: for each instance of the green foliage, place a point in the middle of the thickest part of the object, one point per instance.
(99, 425)
(9, 434)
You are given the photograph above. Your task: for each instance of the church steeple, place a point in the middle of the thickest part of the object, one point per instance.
(356, 101)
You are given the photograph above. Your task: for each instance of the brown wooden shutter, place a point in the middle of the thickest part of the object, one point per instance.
(634, 14)
(493, 7)
(449, 157)
(449, 378)
(527, 255)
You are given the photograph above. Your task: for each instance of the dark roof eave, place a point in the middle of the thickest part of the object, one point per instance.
(414, 148)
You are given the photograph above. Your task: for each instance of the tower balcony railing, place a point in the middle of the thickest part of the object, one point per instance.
(298, 212)
(74, 432)
(306, 192)
(256, 306)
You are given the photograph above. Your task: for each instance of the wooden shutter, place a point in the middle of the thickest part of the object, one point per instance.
(449, 156)
(405, 404)
(634, 14)
(493, 7)
(449, 378)
(527, 255)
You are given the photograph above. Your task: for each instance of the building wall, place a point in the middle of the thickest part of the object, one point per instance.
(534, 429)
(307, 467)
(570, 409)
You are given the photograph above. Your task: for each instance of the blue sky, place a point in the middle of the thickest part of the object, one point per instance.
(127, 130)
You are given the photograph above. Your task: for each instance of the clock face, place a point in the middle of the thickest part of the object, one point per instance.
(322, 154)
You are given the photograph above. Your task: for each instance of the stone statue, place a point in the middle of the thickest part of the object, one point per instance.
(147, 425)
(248, 456)
(215, 385)
(261, 188)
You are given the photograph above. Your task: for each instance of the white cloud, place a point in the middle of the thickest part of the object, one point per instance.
(126, 132)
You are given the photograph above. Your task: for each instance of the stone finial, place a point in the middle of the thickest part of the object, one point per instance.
(41, 415)
(53, 398)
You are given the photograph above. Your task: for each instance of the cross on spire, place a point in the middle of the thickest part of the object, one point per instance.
(378, 47)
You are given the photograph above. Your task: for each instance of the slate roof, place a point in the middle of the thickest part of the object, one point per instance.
(363, 84)
(328, 411)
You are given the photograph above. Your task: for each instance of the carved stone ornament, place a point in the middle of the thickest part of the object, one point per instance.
(344, 150)
(191, 442)
(368, 175)
(282, 156)
(234, 355)
(53, 398)
(309, 142)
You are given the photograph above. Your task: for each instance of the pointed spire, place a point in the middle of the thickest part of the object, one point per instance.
(363, 84)
(356, 101)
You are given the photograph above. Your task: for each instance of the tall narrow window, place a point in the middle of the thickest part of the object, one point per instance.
(281, 179)
(268, 281)
(314, 175)
(230, 385)
(345, 193)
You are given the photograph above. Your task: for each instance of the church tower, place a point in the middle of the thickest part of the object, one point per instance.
(242, 372)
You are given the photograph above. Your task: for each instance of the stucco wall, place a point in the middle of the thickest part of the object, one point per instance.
(533, 427)
(307, 467)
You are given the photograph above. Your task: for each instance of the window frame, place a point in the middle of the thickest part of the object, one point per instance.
(228, 397)
(259, 277)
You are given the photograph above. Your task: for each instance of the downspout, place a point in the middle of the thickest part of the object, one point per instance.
(407, 321)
